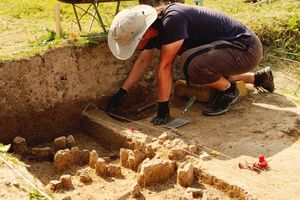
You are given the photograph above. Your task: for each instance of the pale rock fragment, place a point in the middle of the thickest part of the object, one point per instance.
(93, 158)
(185, 175)
(101, 168)
(20, 145)
(155, 171)
(60, 143)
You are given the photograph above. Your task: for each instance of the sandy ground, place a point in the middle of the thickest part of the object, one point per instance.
(41, 173)
(260, 124)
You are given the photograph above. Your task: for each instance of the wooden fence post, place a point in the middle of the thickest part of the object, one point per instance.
(57, 21)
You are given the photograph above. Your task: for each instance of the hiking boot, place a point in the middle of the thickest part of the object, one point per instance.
(213, 95)
(222, 100)
(263, 80)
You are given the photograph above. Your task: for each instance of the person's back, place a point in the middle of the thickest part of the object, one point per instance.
(197, 25)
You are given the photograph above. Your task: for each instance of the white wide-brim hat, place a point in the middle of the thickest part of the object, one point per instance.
(127, 29)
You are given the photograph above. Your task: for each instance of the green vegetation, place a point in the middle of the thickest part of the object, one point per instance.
(27, 26)
(36, 195)
(8, 156)
(4, 148)
(277, 23)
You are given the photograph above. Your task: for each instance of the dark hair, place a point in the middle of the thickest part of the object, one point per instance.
(160, 9)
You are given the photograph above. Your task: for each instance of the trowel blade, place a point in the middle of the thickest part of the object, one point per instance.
(178, 122)
(189, 104)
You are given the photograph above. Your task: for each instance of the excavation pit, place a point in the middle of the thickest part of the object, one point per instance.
(44, 97)
(87, 182)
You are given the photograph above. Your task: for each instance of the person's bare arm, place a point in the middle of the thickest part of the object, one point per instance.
(164, 71)
(139, 68)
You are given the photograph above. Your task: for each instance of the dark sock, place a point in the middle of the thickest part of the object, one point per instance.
(121, 93)
(258, 80)
(231, 88)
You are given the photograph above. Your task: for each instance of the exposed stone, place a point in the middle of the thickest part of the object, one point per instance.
(84, 177)
(60, 143)
(124, 154)
(84, 157)
(66, 197)
(186, 197)
(193, 148)
(195, 192)
(185, 175)
(107, 159)
(69, 159)
(155, 171)
(135, 190)
(76, 154)
(138, 145)
(42, 154)
(139, 156)
(165, 136)
(70, 141)
(205, 156)
(55, 185)
(63, 160)
(114, 170)
(131, 162)
(101, 168)
(178, 142)
(160, 155)
(93, 158)
(168, 144)
(150, 152)
(20, 145)
(59, 161)
(131, 159)
(66, 181)
(176, 154)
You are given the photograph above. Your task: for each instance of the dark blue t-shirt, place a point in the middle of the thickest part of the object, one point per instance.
(196, 25)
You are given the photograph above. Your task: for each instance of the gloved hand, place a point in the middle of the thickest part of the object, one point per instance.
(116, 101)
(163, 114)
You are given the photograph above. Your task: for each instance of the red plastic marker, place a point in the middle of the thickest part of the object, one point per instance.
(132, 130)
(262, 163)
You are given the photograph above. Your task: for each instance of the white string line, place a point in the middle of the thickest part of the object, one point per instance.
(24, 178)
(143, 124)
(120, 117)
(247, 177)
(251, 178)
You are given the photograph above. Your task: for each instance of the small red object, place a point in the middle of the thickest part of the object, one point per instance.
(132, 130)
(262, 163)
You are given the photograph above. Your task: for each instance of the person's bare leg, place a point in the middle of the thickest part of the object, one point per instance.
(222, 84)
(246, 77)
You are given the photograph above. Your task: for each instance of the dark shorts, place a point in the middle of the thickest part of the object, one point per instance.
(207, 63)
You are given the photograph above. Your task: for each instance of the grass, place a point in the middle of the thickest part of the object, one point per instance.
(27, 26)
(36, 195)
(277, 24)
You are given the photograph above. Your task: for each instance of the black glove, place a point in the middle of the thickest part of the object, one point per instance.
(116, 101)
(163, 114)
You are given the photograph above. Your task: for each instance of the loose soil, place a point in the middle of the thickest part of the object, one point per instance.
(260, 124)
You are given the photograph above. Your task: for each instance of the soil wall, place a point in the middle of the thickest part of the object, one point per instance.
(42, 97)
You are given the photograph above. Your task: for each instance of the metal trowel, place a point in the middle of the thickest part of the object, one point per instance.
(189, 104)
(178, 122)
